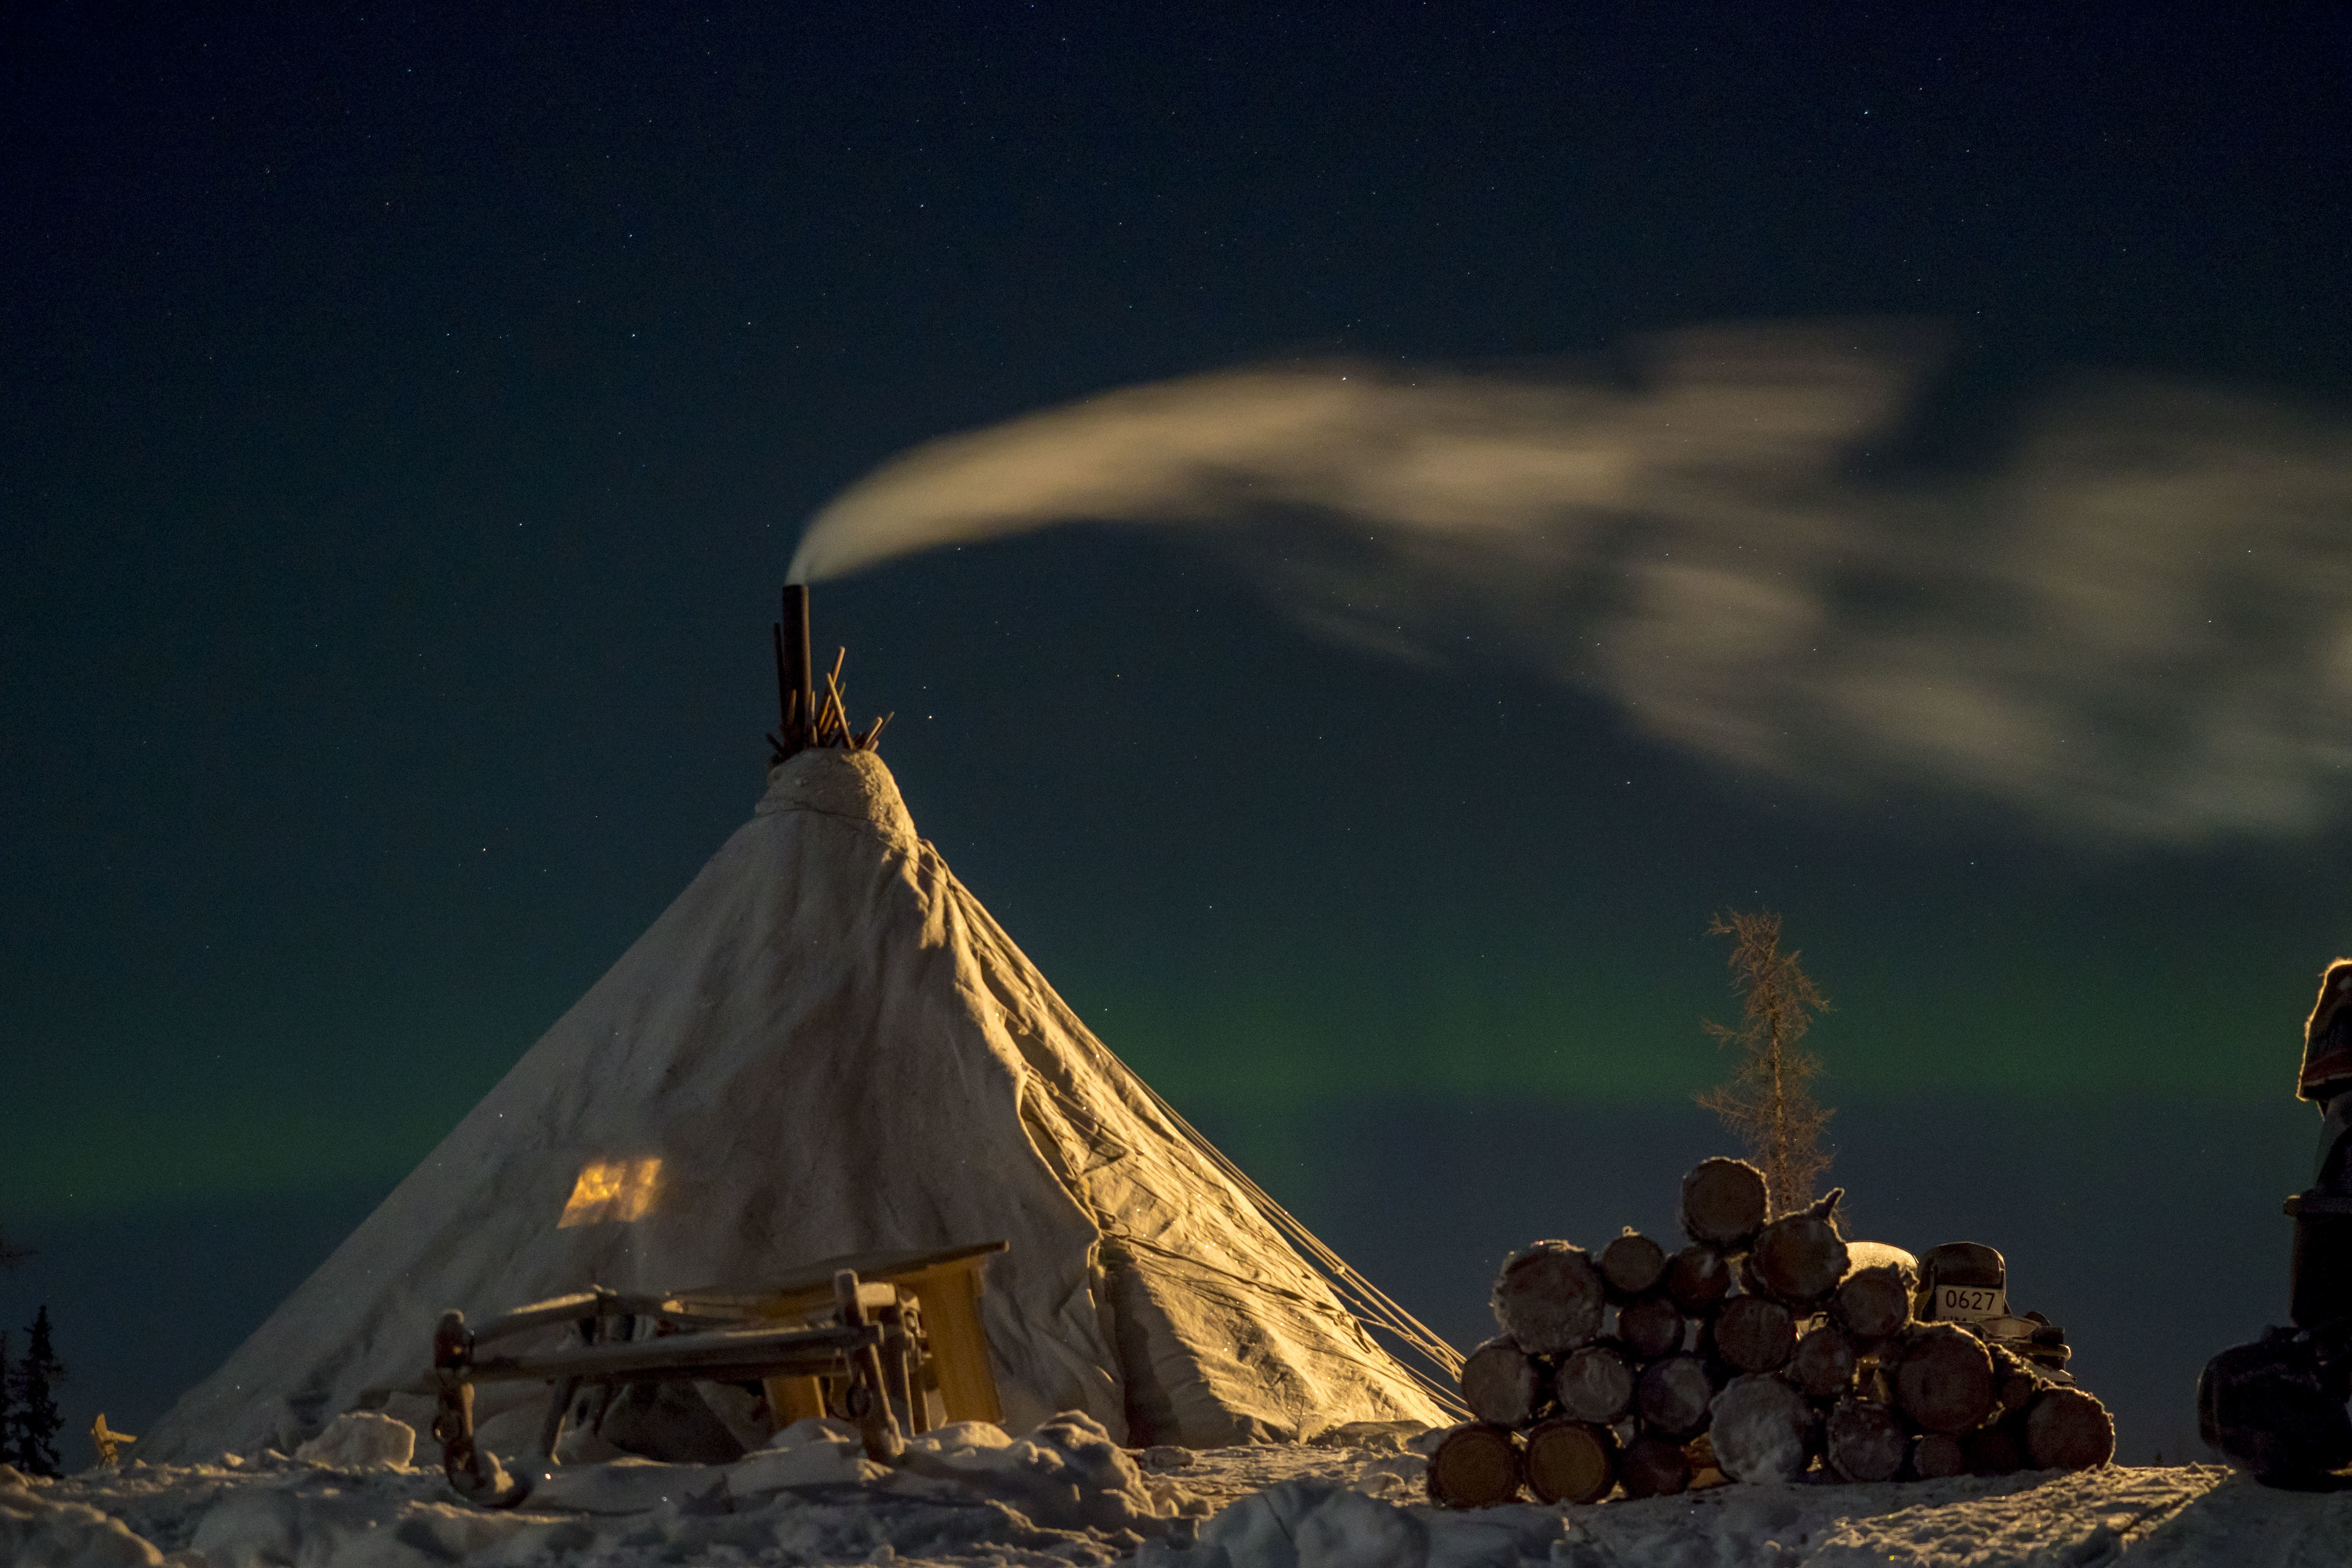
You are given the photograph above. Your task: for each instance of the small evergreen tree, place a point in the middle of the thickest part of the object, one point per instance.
(34, 1444)
(1766, 1102)
(7, 1402)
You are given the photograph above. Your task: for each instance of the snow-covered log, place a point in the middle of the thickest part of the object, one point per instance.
(1762, 1428)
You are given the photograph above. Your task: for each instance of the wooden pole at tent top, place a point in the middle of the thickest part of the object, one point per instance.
(795, 676)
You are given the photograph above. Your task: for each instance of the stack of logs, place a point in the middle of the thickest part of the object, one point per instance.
(1756, 1351)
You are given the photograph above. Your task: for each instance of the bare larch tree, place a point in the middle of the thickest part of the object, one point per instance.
(1766, 1102)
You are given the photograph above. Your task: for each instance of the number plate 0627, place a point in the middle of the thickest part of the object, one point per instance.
(1971, 1302)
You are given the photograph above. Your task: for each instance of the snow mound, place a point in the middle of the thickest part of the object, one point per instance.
(1062, 1493)
(972, 1495)
(1322, 1524)
(362, 1440)
(36, 1533)
(1067, 1473)
(2198, 1516)
(813, 1453)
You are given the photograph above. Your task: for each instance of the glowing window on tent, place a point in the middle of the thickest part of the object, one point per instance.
(611, 1189)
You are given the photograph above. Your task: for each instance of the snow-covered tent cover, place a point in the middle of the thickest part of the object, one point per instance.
(829, 1047)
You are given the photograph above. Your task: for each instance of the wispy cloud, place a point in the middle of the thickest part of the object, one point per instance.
(2135, 622)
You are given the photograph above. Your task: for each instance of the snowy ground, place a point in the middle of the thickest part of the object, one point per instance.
(1065, 1495)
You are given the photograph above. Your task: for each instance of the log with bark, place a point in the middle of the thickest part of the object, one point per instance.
(1864, 1442)
(1652, 1466)
(1672, 1397)
(1571, 1461)
(1632, 1266)
(1763, 1430)
(2015, 1381)
(1823, 1365)
(1698, 1278)
(1942, 1378)
(1800, 1258)
(2067, 1429)
(1548, 1298)
(1651, 1327)
(1723, 1204)
(1866, 1384)
(1595, 1385)
(1502, 1384)
(1872, 1304)
(1474, 1466)
(1752, 1334)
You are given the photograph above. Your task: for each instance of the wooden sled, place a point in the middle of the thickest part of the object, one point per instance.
(898, 1339)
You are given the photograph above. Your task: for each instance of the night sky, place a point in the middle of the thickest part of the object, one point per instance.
(406, 422)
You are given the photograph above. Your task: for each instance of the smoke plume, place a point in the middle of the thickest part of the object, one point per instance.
(2134, 622)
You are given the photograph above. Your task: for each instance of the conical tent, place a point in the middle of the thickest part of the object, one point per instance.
(829, 1047)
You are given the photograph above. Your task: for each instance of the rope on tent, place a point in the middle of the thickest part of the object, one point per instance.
(1253, 1296)
(1364, 1301)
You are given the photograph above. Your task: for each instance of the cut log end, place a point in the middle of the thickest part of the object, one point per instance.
(1549, 1297)
(1865, 1442)
(2067, 1429)
(1821, 1366)
(1753, 1333)
(1698, 1279)
(1800, 1258)
(1502, 1384)
(1872, 1304)
(1571, 1461)
(1632, 1266)
(1723, 1204)
(1650, 1328)
(1672, 1395)
(1476, 1465)
(1595, 1385)
(1943, 1379)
